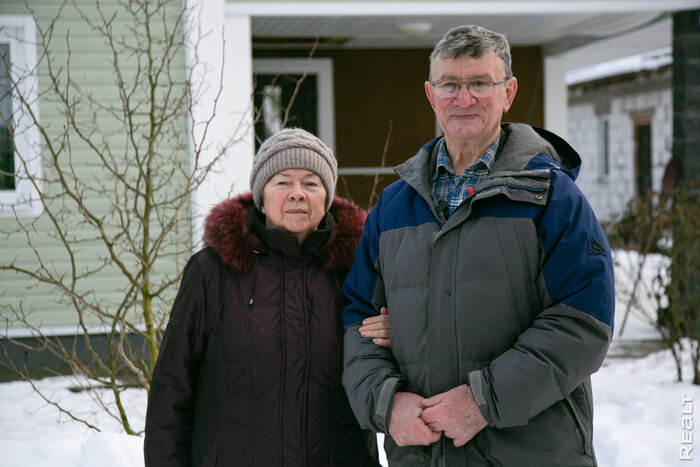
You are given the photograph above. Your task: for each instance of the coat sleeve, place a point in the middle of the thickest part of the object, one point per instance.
(172, 392)
(569, 338)
(370, 375)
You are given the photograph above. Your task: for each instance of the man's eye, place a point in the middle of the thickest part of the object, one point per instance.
(479, 84)
(449, 86)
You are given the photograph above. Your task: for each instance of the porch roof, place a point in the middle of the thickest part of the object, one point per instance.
(558, 26)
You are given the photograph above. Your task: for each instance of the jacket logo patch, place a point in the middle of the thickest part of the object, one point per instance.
(594, 248)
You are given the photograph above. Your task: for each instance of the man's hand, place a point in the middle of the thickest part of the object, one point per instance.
(455, 413)
(405, 424)
(377, 327)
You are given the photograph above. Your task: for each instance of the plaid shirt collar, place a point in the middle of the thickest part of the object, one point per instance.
(485, 162)
(454, 189)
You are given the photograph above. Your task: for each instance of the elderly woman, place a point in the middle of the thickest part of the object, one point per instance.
(249, 371)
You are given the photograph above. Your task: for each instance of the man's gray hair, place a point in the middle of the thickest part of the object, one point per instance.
(473, 41)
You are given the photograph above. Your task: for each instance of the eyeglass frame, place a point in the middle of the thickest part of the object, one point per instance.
(465, 83)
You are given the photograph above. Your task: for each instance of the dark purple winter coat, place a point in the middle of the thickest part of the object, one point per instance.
(249, 370)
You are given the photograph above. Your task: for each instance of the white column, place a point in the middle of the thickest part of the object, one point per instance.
(219, 63)
(238, 89)
(555, 95)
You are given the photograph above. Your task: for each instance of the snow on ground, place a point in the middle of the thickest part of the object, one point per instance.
(640, 409)
(33, 433)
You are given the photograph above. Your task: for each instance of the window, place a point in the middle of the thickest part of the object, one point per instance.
(19, 137)
(273, 96)
(604, 162)
(275, 83)
(7, 152)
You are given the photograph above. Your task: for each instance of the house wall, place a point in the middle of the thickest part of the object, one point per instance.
(91, 68)
(621, 102)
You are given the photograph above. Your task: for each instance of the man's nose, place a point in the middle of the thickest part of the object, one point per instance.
(464, 98)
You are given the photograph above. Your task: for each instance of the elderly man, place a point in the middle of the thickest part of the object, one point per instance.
(497, 277)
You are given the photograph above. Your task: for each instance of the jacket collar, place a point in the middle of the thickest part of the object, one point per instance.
(520, 142)
(229, 230)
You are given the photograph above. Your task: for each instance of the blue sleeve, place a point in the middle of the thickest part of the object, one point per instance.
(370, 375)
(363, 277)
(572, 235)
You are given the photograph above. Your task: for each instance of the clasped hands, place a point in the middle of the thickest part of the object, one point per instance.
(418, 421)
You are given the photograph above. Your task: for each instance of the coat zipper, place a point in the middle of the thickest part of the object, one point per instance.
(283, 323)
(305, 421)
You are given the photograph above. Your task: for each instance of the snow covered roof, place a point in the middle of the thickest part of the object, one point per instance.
(645, 61)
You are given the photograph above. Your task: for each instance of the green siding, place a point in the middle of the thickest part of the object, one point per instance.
(92, 70)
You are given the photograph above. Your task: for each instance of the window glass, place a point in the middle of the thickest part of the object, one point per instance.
(20, 156)
(7, 154)
(273, 96)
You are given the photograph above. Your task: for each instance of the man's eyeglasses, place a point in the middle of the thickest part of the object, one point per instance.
(477, 87)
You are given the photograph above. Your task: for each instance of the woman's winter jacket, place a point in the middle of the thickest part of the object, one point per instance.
(250, 363)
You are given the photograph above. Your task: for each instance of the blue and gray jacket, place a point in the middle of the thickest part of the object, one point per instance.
(512, 295)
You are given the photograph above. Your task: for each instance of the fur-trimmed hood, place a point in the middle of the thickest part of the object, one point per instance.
(228, 232)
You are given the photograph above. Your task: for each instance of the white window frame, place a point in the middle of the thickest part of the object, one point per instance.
(323, 69)
(19, 32)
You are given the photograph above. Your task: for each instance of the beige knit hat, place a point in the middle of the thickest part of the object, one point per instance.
(293, 148)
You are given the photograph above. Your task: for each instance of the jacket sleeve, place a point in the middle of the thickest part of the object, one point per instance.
(172, 392)
(569, 338)
(370, 375)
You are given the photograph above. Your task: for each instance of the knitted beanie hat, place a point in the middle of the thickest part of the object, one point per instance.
(293, 148)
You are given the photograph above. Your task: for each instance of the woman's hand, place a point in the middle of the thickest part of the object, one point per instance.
(377, 327)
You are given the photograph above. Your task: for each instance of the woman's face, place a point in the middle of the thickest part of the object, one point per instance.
(294, 201)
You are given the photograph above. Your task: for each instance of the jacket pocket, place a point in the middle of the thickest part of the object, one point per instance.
(577, 403)
(555, 437)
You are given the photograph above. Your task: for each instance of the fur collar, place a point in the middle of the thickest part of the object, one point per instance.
(227, 231)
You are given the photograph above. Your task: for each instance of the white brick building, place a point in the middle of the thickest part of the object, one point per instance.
(620, 119)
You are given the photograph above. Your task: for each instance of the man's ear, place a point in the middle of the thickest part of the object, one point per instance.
(511, 87)
(430, 92)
